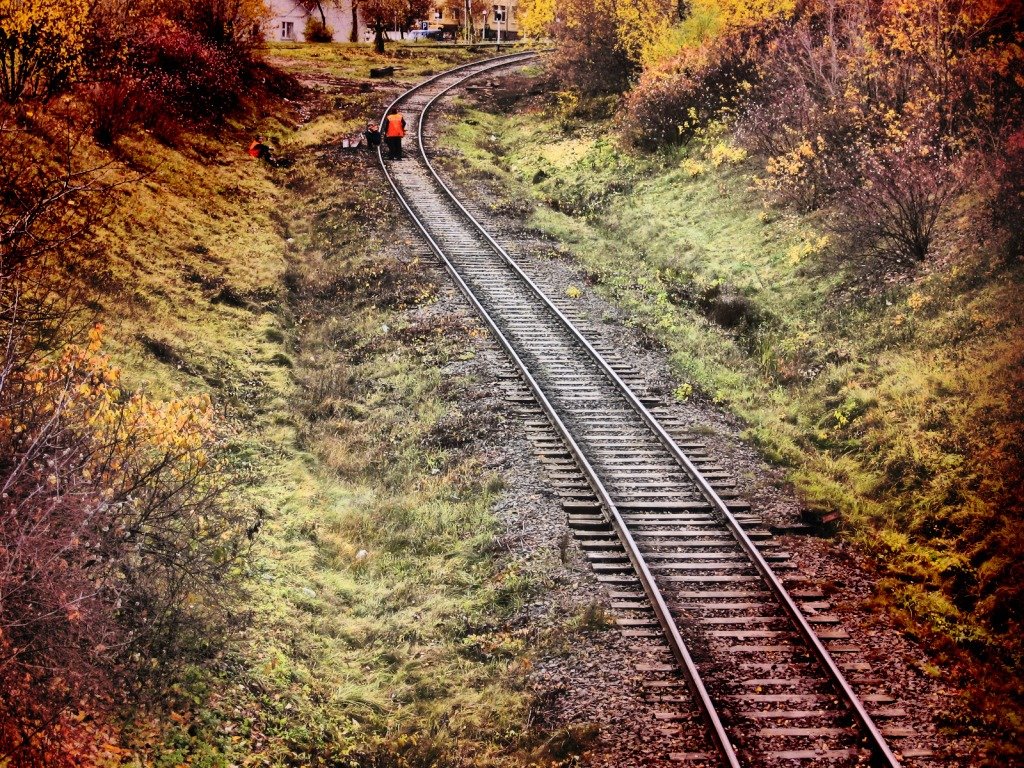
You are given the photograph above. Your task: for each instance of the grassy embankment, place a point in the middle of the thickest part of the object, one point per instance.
(376, 598)
(892, 394)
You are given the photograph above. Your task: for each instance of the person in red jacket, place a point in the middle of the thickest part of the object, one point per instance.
(259, 150)
(394, 130)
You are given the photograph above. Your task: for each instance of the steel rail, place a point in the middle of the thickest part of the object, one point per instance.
(676, 644)
(498, 61)
(878, 745)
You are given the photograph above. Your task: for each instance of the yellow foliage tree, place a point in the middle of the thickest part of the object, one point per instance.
(738, 13)
(643, 25)
(537, 16)
(41, 44)
(650, 31)
(706, 20)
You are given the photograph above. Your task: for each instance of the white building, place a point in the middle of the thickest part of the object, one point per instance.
(488, 20)
(288, 20)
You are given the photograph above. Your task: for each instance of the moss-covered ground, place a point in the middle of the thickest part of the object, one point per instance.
(372, 631)
(891, 392)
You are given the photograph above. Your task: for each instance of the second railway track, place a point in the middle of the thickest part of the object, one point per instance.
(686, 564)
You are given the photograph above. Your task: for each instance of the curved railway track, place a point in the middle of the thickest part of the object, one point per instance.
(649, 510)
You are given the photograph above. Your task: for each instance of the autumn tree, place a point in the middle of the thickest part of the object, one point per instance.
(317, 30)
(315, 5)
(537, 17)
(413, 11)
(591, 59)
(41, 44)
(643, 25)
(383, 14)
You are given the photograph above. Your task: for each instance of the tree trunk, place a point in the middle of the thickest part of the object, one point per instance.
(378, 36)
(323, 16)
(353, 36)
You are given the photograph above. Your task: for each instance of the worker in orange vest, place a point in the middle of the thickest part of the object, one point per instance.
(261, 151)
(394, 130)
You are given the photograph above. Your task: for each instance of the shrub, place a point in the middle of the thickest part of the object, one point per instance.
(723, 153)
(118, 104)
(184, 73)
(805, 114)
(696, 87)
(895, 205)
(230, 25)
(116, 539)
(665, 110)
(161, 63)
(317, 32)
(846, 78)
(808, 246)
(117, 548)
(590, 58)
(692, 168)
(810, 171)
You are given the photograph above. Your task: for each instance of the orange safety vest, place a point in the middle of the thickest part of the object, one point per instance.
(395, 128)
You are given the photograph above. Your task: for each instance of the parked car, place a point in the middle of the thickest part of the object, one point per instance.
(425, 34)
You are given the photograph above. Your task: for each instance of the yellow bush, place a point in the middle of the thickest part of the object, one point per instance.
(568, 103)
(174, 433)
(41, 44)
(723, 153)
(691, 168)
(809, 247)
(916, 301)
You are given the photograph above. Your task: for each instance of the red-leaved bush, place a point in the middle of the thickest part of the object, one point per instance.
(165, 64)
(590, 60)
(183, 73)
(115, 542)
(893, 206)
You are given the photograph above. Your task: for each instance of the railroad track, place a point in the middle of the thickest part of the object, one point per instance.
(685, 562)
